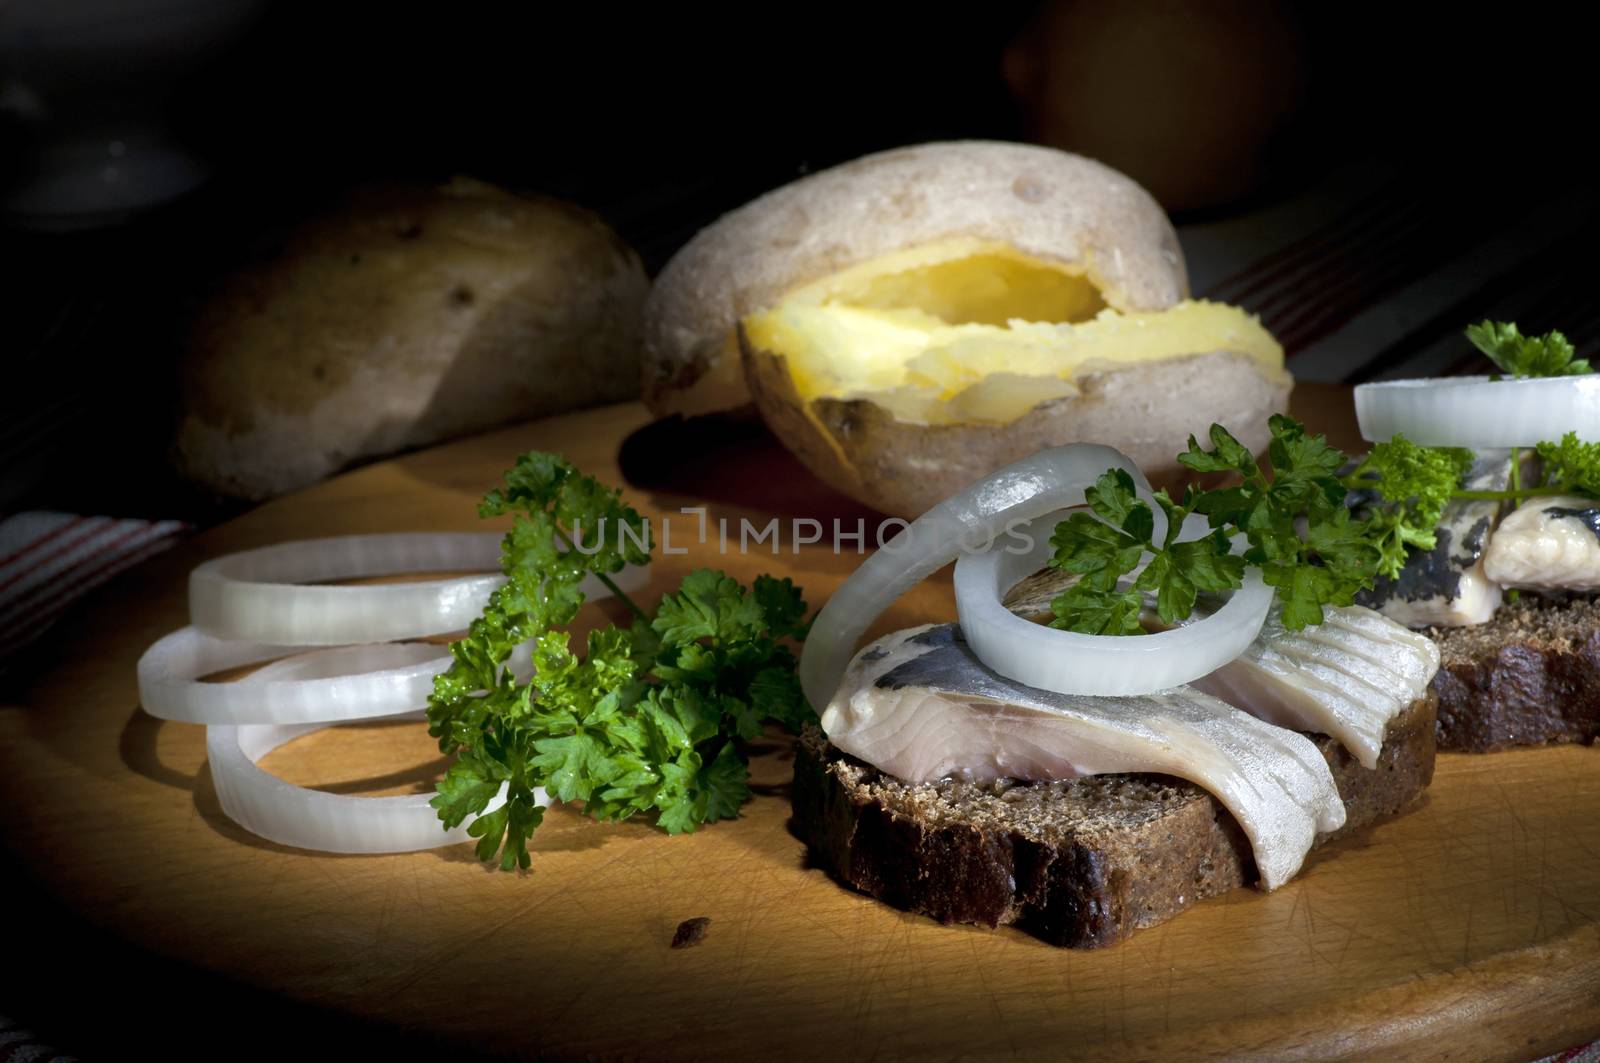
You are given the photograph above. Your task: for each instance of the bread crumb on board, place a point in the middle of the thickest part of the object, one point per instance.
(690, 932)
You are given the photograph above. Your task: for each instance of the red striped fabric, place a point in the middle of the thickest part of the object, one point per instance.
(1589, 1053)
(1340, 268)
(1366, 287)
(1307, 289)
(1295, 257)
(1340, 264)
(84, 560)
(50, 560)
(1388, 264)
(60, 522)
(50, 546)
(22, 623)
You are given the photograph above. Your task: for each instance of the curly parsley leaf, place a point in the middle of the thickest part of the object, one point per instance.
(1097, 610)
(1417, 483)
(649, 719)
(467, 788)
(1295, 511)
(1095, 550)
(1295, 520)
(1111, 541)
(1526, 356)
(775, 694)
(782, 607)
(1227, 454)
(1179, 572)
(1572, 464)
(1303, 590)
(1291, 513)
(708, 605)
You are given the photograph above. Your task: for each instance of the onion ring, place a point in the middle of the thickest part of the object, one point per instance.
(1071, 662)
(1042, 483)
(331, 685)
(255, 596)
(265, 805)
(1475, 411)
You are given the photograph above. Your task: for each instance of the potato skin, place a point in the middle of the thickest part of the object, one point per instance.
(411, 316)
(1147, 411)
(1046, 203)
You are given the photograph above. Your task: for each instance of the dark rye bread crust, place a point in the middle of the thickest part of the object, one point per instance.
(1530, 676)
(1081, 863)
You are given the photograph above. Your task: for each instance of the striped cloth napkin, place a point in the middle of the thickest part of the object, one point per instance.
(1371, 276)
(50, 560)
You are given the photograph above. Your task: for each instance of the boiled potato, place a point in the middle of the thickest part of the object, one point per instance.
(912, 320)
(412, 316)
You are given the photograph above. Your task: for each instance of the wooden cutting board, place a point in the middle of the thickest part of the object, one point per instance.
(1469, 928)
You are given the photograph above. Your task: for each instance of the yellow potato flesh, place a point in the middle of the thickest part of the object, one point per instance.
(971, 333)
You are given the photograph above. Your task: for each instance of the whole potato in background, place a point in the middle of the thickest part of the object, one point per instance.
(1188, 99)
(412, 316)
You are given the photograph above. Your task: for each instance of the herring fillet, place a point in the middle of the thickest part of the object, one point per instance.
(1548, 544)
(1346, 677)
(919, 705)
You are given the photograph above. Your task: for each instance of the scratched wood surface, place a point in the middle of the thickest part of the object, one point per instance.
(1469, 928)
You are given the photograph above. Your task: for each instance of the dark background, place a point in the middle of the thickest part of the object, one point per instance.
(660, 118)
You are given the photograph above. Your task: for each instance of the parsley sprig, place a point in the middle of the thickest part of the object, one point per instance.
(1411, 485)
(1415, 484)
(1112, 542)
(1570, 467)
(1301, 528)
(1296, 514)
(1326, 564)
(651, 718)
(1420, 481)
(1526, 356)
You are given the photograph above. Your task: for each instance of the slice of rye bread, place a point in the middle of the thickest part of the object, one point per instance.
(1081, 863)
(1528, 677)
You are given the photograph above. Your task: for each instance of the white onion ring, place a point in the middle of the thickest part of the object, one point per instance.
(267, 806)
(353, 682)
(1475, 411)
(1047, 481)
(1070, 662)
(254, 596)
(329, 685)
(348, 683)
